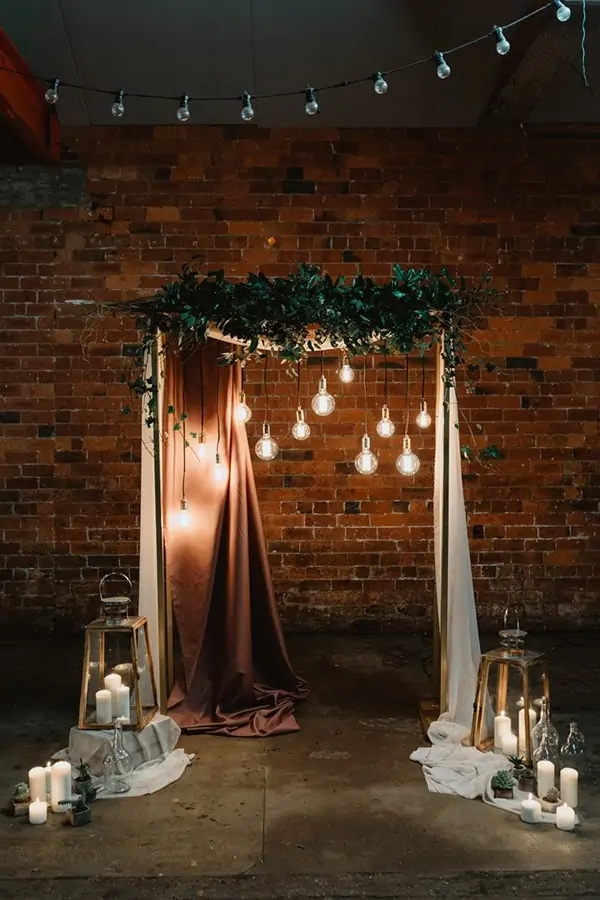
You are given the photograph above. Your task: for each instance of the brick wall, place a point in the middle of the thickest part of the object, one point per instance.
(131, 205)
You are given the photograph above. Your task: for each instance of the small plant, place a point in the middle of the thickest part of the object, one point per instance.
(20, 793)
(84, 772)
(503, 784)
(78, 811)
(517, 762)
(552, 795)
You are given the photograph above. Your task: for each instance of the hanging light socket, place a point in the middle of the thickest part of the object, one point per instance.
(385, 426)
(323, 403)
(443, 69)
(220, 473)
(366, 462)
(247, 112)
(202, 448)
(423, 419)
(266, 447)
(300, 428)
(51, 95)
(183, 113)
(408, 462)
(118, 107)
(243, 413)
(346, 372)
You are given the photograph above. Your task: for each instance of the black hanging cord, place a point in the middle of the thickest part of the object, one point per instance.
(202, 391)
(423, 377)
(184, 436)
(365, 388)
(385, 374)
(322, 363)
(299, 366)
(266, 386)
(218, 413)
(243, 375)
(406, 415)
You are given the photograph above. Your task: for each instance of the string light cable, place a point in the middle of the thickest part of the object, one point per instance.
(408, 462)
(379, 79)
(266, 447)
(365, 462)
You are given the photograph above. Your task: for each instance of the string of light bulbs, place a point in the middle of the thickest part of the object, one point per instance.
(366, 461)
(408, 463)
(266, 447)
(385, 426)
(310, 93)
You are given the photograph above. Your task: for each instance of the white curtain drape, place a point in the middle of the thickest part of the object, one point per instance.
(463, 634)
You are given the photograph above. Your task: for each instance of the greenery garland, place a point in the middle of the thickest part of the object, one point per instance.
(302, 312)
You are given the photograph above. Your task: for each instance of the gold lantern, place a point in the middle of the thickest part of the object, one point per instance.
(118, 676)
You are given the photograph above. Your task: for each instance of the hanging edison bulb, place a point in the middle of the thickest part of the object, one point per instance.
(323, 403)
(408, 462)
(366, 462)
(346, 372)
(202, 448)
(423, 419)
(266, 447)
(220, 470)
(243, 413)
(385, 426)
(300, 428)
(183, 519)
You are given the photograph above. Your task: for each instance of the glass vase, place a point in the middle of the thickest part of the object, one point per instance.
(572, 752)
(118, 764)
(545, 729)
(546, 750)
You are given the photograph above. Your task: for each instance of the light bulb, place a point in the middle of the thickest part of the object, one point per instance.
(502, 45)
(202, 450)
(380, 85)
(408, 462)
(323, 403)
(563, 13)
(183, 113)
(243, 413)
(118, 107)
(220, 470)
(423, 419)
(311, 107)
(183, 518)
(266, 447)
(300, 428)
(247, 113)
(366, 462)
(51, 95)
(346, 372)
(385, 426)
(443, 69)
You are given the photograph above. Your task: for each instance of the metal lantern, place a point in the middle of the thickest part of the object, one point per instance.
(115, 607)
(118, 676)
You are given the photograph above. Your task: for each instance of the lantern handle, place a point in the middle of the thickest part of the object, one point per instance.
(116, 575)
(516, 612)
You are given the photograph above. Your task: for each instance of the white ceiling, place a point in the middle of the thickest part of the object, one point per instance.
(224, 48)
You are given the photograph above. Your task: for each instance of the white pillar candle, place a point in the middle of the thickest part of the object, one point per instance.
(501, 729)
(61, 785)
(38, 812)
(569, 787)
(122, 702)
(522, 732)
(37, 782)
(545, 777)
(48, 771)
(103, 707)
(509, 745)
(565, 818)
(531, 811)
(112, 683)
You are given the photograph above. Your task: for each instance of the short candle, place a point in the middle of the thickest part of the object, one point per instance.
(531, 811)
(38, 812)
(509, 745)
(569, 786)
(565, 818)
(104, 707)
(545, 777)
(121, 699)
(501, 729)
(112, 683)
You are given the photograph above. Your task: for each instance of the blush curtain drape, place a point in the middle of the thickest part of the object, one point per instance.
(234, 676)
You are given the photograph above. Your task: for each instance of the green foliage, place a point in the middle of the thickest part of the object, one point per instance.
(517, 761)
(491, 452)
(503, 781)
(20, 792)
(83, 770)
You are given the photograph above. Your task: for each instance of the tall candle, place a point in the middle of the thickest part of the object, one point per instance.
(509, 745)
(37, 782)
(61, 785)
(125, 670)
(531, 811)
(522, 732)
(112, 683)
(103, 707)
(565, 818)
(569, 786)
(501, 729)
(48, 771)
(545, 776)
(122, 702)
(38, 812)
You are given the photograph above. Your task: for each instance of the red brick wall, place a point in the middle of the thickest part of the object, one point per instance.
(351, 200)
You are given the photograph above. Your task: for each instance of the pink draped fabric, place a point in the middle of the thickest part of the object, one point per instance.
(234, 677)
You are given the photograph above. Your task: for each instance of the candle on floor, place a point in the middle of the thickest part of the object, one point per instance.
(37, 782)
(122, 702)
(103, 707)
(531, 811)
(509, 745)
(38, 812)
(112, 683)
(522, 732)
(545, 776)
(565, 818)
(569, 786)
(501, 729)
(48, 771)
(61, 785)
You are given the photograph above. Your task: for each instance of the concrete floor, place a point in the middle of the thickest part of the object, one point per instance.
(338, 801)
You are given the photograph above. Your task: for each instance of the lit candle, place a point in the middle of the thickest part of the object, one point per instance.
(103, 707)
(122, 702)
(569, 787)
(48, 771)
(531, 811)
(125, 670)
(545, 776)
(501, 729)
(61, 785)
(509, 745)
(522, 732)
(38, 812)
(565, 818)
(112, 683)
(37, 782)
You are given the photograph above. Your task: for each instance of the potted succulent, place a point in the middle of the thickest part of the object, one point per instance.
(525, 778)
(551, 801)
(503, 784)
(20, 799)
(83, 782)
(78, 812)
(518, 765)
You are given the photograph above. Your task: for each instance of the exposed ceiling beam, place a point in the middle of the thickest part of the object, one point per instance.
(538, 54)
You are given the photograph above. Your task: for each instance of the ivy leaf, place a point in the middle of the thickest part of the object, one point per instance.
(466, 452)
(491, 452)
(171, 410)
(126, 410)
(176, 427)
